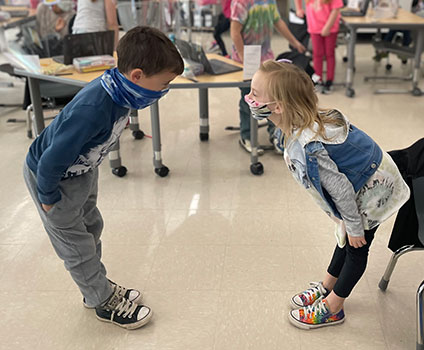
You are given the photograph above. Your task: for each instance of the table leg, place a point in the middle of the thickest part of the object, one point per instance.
(256, 168)
(160, 169)
(115, 161)
(204, 114)
(135, 126)
(34, 90)
(350, 92)
(416, 91)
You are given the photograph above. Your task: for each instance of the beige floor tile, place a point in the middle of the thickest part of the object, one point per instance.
(258, 268)
(256, 226)
(187, 268)
(255, 320)
(198, 227)
(181, 320)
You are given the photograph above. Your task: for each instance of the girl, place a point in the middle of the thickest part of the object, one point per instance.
(356, 183)
(323, 20)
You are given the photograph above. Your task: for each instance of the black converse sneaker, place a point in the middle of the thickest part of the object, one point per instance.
(124, 313)
(131, 294)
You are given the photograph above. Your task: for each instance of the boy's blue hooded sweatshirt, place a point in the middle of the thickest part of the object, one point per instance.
(77, 140)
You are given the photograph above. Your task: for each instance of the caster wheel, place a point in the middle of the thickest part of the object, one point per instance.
(404, 61)
(29, 134)
(388, 66)
(345, 59)
(204, 136)
(138, 134)
(162, 172)
(350, 92)
(257, 168)
(416, 91)
(120, 171)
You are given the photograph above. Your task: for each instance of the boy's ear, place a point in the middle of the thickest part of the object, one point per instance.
(136, 75)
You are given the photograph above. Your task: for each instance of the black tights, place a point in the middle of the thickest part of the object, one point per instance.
(348, 265)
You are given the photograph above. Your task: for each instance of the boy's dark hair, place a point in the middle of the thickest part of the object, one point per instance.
(150, 50)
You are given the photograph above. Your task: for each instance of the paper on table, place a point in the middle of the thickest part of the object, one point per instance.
(251, 60)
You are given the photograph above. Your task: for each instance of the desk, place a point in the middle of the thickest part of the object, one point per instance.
(404, 20)
(13, 22)
(204, 83)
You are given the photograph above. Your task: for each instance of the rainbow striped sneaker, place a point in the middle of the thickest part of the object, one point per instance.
(309, 296)
(315, 316)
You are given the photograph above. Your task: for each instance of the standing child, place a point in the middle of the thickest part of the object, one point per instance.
(356, 183)
(323, 19)
(253, 23)
(61, 168)
(221, 27)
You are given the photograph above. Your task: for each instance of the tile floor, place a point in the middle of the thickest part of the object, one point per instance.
(217, 251)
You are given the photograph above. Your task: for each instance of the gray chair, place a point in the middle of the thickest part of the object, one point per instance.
(408, 230)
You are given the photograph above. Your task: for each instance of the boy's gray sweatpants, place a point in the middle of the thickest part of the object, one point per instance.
(74, 226)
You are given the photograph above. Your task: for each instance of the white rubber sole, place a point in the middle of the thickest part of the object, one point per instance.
(302, 325)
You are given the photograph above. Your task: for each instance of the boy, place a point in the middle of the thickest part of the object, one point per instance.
(61, 166)
(252, 23)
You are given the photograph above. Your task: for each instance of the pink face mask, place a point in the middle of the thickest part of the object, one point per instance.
(259, 110)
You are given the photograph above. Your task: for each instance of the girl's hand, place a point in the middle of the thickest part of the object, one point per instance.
(357, 242)
(300, 13)
(325, 32)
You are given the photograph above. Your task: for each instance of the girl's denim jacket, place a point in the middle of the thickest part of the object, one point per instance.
(358, 157)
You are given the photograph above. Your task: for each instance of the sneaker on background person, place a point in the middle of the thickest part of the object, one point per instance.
(248, 146)
(328, 87)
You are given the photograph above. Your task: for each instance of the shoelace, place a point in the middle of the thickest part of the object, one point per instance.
(120, 290)
(309, 293)
(125, 308)
(317, 308)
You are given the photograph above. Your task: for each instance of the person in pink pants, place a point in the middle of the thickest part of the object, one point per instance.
(323, 20)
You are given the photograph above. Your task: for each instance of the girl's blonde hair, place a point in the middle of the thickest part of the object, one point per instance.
(294, 91)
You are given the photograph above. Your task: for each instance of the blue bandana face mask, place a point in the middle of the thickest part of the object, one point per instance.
(127, 94)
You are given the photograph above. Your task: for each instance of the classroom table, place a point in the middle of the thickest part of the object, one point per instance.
(404, 20)
(203, 84)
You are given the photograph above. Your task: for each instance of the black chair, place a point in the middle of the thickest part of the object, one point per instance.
(408, 230)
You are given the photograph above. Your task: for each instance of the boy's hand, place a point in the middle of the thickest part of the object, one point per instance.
(357, 242)
(46, 207)
(300, 13)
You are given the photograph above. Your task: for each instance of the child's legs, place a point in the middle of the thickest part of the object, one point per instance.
(93, 220)
(244, 115)
(348, 265)
(73, 243)
(221, 27)
(317, 52)
(330, 54)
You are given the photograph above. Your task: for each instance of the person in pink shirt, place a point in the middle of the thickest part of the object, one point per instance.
(323, 20)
